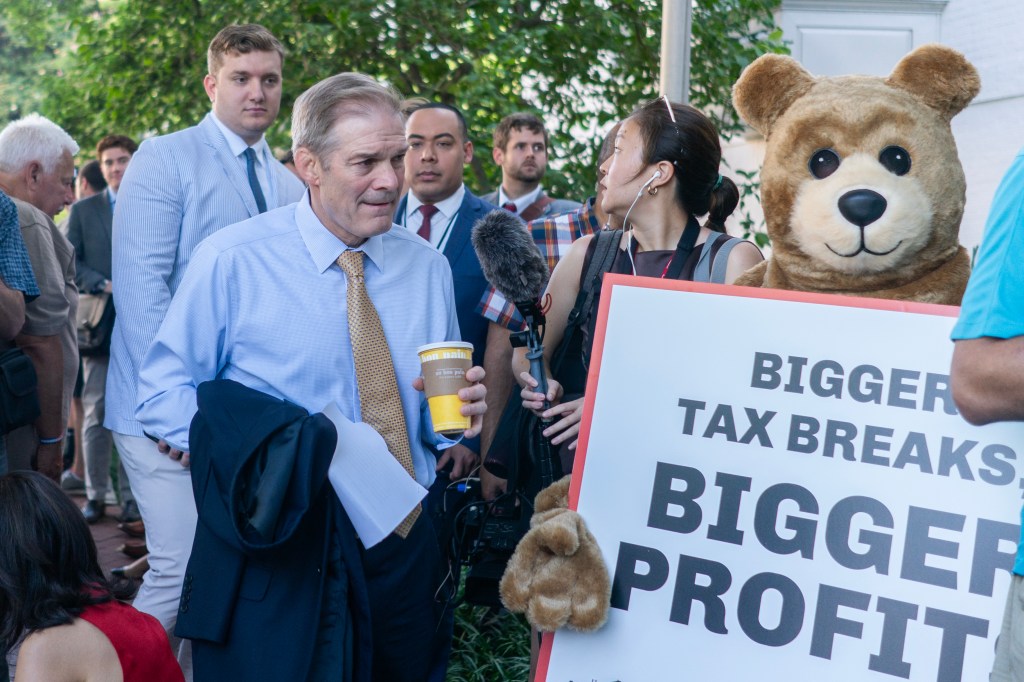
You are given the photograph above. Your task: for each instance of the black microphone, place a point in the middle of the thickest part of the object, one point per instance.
(510, 259)
(514, 266)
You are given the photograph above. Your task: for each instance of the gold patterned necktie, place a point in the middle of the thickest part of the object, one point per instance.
(379, 399)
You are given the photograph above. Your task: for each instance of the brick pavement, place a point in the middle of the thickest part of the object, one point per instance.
(107, 536)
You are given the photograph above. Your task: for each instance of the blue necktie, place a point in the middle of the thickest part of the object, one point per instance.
(254, 183)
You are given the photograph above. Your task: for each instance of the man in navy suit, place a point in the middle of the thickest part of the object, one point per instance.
(90, 231)
(179, 189)
(440, 208)
(439, 147)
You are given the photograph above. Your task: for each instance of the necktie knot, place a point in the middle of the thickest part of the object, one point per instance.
(351, 263)
(510, 206)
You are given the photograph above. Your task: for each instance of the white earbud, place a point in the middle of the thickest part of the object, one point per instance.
(657, 174)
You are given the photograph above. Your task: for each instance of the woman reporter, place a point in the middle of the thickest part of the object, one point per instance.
(54, 598)
(663, 173)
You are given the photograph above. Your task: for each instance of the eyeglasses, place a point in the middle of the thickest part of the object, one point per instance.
(672, 117)
(671, 114)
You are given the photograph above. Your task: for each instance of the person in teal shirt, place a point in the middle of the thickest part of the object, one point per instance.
(988, 365)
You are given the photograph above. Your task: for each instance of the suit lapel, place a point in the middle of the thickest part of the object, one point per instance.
(400, 211)
(459, 238)
(221, 153)
(106, 218)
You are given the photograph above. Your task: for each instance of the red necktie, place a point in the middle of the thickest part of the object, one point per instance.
(509, 206)
(428, 211)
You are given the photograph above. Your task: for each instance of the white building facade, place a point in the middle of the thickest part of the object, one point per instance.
(835, 37)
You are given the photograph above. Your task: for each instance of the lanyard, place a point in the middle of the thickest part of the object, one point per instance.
(683, 250)
(447, 228)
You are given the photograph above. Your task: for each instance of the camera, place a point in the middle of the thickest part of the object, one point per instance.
(486, 535)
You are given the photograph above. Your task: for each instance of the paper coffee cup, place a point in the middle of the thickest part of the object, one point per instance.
(444, 368)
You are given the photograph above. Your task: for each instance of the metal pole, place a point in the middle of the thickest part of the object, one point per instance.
(675, 49)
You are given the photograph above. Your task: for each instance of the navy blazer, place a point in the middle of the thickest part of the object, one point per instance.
(254, 585)
(467, 276)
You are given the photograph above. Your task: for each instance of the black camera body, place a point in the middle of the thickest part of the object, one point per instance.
(488, 533)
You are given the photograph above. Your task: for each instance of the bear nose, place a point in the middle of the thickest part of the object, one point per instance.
(862, 206)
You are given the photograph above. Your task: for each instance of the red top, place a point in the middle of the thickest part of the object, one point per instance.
(140, 642)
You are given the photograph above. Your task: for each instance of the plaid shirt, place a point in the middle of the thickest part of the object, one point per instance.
(553, 236)
(15, 267)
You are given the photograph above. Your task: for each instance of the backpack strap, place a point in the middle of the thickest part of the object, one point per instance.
(702, 273)
(607, 244)
(722, 260)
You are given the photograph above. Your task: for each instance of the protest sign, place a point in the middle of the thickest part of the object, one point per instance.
(782, 490)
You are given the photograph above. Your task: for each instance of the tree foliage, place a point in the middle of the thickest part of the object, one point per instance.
(136, 66)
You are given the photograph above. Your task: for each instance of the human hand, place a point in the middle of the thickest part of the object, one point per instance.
(568, 426)
(464, 461)
(50, 459)
(179, 456)
(490, 485)
(534, 400)
(473, 397)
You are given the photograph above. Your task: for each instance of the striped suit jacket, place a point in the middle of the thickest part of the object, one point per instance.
(178, 190)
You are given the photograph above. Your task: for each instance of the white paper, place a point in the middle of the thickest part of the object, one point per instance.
(375, 490)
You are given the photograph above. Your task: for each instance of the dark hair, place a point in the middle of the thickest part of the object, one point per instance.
(411, 106)
(49, 572)
(93, 175)
(691, 145)
(518, 121)
(111, 141)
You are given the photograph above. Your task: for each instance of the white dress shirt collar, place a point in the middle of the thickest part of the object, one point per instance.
(522, 202)
(446, 208)
(323, 246)
(237, 145)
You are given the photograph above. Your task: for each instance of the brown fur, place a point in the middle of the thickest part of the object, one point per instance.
(557, 576)
(918, 256)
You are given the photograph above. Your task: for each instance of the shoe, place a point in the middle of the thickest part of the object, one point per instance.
(130, 512)
(70, 482)
(134, 550)
(94, 510)
(135, 570)
(135, 529)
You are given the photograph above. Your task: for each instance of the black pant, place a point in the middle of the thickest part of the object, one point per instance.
(402, 577)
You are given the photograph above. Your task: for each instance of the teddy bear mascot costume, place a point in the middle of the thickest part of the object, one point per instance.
(863, 193)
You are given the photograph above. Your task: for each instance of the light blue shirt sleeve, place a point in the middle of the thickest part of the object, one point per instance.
(993, 304)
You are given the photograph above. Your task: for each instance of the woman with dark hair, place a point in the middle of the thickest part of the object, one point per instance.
(663, 173)
(55, 599)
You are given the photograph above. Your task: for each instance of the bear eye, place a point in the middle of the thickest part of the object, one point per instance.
(895, 159)
(823, 163)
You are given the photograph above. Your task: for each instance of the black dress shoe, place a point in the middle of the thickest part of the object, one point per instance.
(94, 510)
(134, 570)
(130, 512)
(135, 529)
(133, 550)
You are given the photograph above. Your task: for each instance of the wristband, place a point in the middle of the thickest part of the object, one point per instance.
(50, 441)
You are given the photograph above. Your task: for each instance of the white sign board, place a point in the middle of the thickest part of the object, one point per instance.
(782, 490)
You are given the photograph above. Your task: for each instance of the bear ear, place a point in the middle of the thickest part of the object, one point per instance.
(767, 87)
(939, 76)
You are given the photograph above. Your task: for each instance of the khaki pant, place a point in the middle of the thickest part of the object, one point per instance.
(1009, 664)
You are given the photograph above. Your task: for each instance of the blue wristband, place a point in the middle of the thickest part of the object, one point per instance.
(50, 441)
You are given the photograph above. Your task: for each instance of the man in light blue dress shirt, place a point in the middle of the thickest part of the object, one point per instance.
(264, 303)
(179, 189)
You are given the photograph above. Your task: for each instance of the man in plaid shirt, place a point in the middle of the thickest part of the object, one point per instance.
(555, 234)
